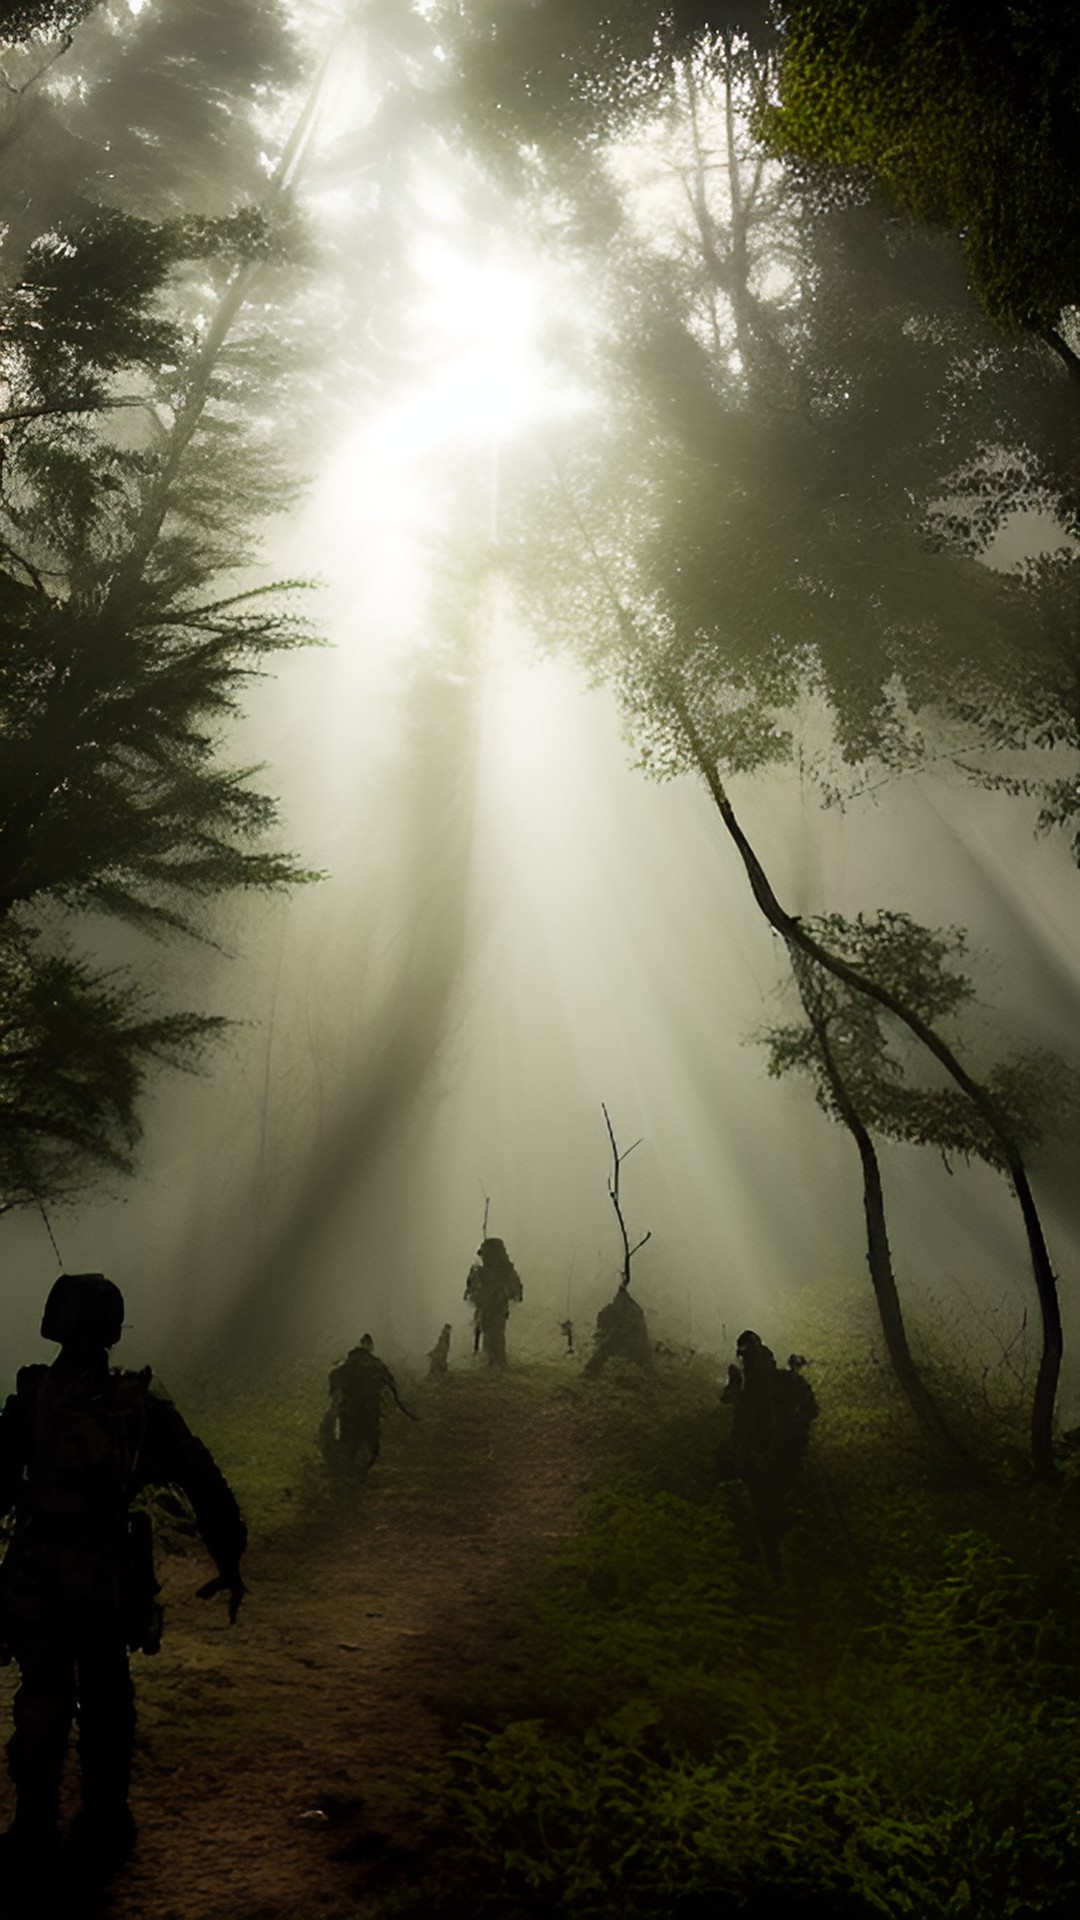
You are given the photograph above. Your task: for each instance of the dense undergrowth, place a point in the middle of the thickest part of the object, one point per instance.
(894, 1729)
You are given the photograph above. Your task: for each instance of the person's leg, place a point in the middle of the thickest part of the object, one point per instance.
(354, 1437)
(106, 1716)
(495, 1339)
(42, 1711)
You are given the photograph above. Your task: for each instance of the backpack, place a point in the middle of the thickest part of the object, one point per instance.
(85, 1436)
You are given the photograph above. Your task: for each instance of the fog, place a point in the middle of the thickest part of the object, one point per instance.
(515, 925)
(440, 1017)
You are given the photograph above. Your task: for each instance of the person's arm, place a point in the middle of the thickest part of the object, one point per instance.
(174, 1457)
(12, 1452)
(391, 1386)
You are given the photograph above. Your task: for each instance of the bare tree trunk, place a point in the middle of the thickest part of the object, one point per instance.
(878, 1250)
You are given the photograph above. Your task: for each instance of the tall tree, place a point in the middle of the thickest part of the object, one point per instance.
(137, 469)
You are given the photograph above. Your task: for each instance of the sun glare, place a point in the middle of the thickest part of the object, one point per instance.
(484, 322)
(472, 375)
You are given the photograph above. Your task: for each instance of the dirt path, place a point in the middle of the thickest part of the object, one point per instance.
(271, 1757)
(269, 1753)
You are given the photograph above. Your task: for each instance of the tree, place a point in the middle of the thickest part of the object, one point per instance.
(126, 646)
(768, 521)
(870, 1084)
(969, 120)
(76, 1045)
(162, 114)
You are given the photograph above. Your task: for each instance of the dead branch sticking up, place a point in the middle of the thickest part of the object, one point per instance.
(617, 1159)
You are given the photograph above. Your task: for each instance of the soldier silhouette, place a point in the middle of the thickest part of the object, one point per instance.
(772, 1410)
(354, 1417)
(492, 1286)
(78, 1441)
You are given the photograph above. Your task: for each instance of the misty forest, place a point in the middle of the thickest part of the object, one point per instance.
(539, 825)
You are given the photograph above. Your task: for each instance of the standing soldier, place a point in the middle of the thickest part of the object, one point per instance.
(354, 1417)
(78, 1441)
(770, 1431)
(492, 1285)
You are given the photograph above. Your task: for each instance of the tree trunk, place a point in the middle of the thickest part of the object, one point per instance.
(878, 1251)
(794, 934)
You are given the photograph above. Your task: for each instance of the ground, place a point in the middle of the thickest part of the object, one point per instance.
(279, 1761)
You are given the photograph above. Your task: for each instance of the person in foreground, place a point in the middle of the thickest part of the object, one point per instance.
(79, 1440)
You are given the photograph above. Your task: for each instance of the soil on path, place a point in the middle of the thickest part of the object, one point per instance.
(272, 1757)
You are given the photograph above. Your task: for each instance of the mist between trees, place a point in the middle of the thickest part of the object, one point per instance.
(766, 521)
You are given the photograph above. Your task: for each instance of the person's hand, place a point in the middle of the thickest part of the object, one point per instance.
(228, 1582)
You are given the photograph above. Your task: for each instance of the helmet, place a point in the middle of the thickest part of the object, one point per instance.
(83, 1306)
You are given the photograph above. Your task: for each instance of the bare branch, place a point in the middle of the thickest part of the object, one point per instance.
(617, 1159)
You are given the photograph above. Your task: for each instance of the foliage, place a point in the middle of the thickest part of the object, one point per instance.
(757, 554)
(969, 120)
(554, 72)
(803, 435)
(22, 19)
(895, 1731)
(762, 536)
(1034, 1090)
(76, 1045)
(113, 797)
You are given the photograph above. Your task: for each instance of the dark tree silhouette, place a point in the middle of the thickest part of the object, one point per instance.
(126, 646)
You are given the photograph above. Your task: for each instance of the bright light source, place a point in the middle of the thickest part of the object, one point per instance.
(483, 322)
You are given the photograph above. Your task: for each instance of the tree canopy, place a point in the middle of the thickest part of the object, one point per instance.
(970, 119)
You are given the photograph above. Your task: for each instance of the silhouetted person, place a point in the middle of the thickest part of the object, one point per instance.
(78, 1440)
(798, 1408)
(621, 1333)
(439, 1357)
(491, 1289)
(354, 1417)
(770, 1430)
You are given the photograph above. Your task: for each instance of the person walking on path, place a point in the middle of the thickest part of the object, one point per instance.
(492, 1287)
(78, 1441)
(353, 1420)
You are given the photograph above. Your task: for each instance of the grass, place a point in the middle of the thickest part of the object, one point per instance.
(893, 1730)
(658, 1729)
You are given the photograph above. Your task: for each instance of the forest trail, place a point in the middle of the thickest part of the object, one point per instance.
(271, 1757)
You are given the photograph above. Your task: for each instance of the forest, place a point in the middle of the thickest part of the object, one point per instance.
(538, 573)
